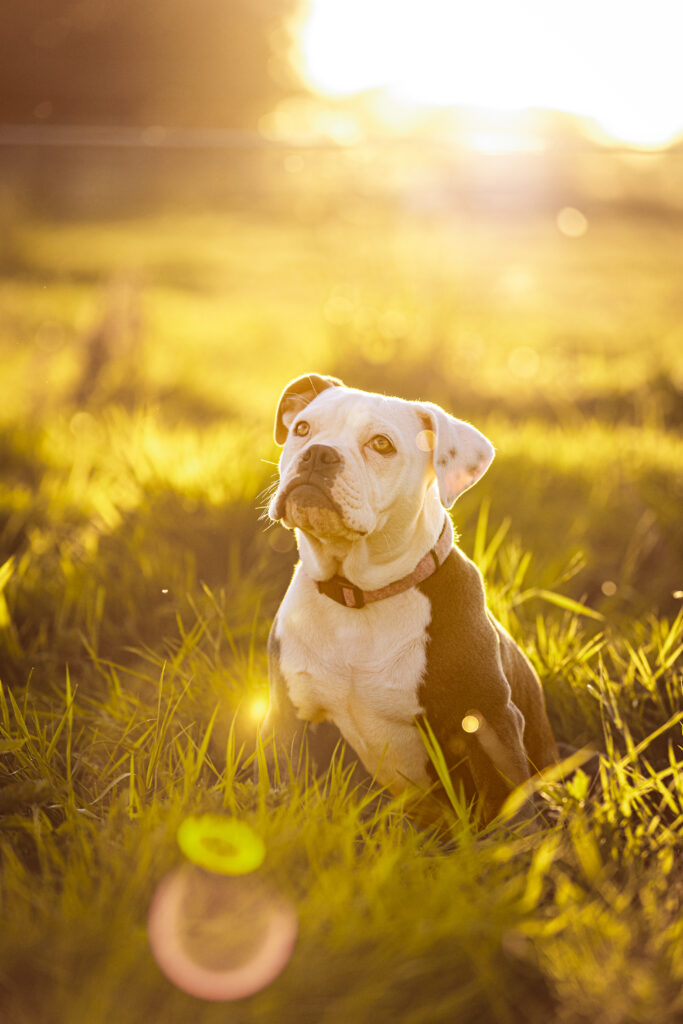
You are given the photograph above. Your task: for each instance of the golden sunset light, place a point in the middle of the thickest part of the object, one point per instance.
(341, 547)
(616, 63)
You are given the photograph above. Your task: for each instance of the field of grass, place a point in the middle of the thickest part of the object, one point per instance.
(142, 361)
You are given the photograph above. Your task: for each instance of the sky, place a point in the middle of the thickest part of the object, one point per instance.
(618, 62)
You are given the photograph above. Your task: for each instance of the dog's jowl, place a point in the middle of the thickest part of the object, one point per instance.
(385, 621)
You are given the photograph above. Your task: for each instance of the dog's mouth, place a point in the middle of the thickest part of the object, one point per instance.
(309, 495)
(302, 492)
(309, 507)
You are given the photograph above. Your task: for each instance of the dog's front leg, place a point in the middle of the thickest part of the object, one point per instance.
(295, 746)
(291, 744)
(496, 755)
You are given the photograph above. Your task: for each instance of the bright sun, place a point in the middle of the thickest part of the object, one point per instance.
(616, 61)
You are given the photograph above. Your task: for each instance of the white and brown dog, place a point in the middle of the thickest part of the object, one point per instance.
(385, 620)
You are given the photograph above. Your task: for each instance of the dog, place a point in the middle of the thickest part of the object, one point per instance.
(385, 622)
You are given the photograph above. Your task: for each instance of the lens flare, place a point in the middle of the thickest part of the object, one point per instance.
(223, 845)
(220, 937)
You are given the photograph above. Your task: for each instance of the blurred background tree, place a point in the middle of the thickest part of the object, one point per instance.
(192, 104)
(181, 63)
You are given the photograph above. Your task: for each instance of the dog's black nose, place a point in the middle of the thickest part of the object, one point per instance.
(320, 458)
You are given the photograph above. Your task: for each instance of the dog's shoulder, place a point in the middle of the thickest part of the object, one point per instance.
(464, 668)
(458, 599)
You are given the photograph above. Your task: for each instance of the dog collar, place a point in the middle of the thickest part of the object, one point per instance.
(345, 592)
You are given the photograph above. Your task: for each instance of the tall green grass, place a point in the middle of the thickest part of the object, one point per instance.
(396, 922)
(138, 583)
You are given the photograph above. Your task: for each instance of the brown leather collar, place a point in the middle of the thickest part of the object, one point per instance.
(344, 592)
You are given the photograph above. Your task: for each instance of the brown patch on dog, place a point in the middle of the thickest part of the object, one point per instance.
(296, 396)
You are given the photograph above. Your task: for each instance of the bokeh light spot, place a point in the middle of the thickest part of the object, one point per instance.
(470, 723)
(218, 937)
(426, 440)
(571, 222)
(281, 540)
(609, 588)
(379, 350)
(83, 424)
(220, 844)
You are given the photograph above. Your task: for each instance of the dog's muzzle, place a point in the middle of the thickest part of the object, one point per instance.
(315, 474)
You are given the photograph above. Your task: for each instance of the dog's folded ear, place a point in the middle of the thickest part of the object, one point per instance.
(460, 453)
(296, 396)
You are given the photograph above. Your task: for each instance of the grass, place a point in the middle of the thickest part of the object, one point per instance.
(138, 584)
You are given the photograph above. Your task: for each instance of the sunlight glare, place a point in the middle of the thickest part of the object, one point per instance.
(494, 143)
(615, 62)
(259, 708)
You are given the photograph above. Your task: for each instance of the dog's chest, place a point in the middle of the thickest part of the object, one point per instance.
(361, 669)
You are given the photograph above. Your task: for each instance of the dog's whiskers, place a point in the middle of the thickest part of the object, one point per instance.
(268, 491)
(263, 500)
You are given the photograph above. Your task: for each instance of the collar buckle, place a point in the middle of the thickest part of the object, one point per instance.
(342, 591)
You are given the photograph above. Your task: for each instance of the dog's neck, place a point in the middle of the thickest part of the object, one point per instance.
(382, 557)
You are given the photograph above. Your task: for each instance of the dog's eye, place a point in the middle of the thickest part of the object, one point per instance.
(381, 444)
(302, 428)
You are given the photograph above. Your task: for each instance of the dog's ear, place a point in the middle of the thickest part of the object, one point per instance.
(460, 453)
(295, 397)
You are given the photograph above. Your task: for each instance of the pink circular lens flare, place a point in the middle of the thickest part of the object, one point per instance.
(219, 937)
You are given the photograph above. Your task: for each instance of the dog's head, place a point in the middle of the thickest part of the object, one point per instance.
(355, 463)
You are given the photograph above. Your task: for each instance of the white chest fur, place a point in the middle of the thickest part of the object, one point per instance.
(361, 669)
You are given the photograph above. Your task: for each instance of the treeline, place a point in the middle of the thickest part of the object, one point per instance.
(179, 63)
